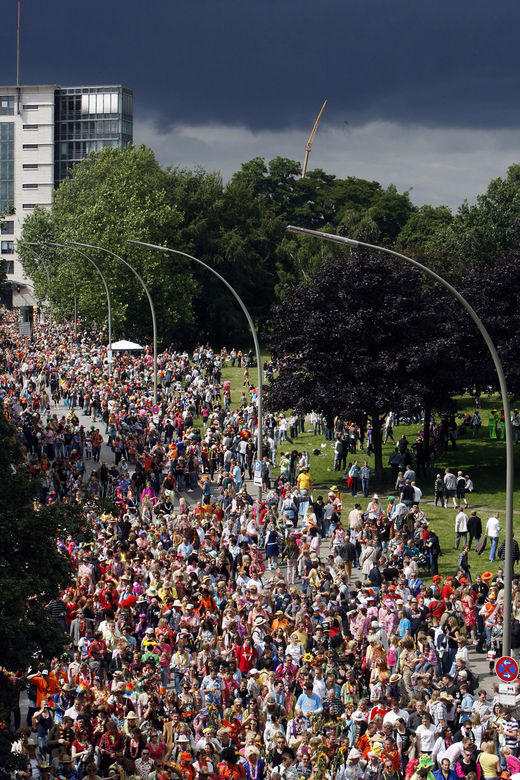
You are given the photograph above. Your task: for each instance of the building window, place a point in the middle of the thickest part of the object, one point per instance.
(30, 166)
(6, 106)
(7, 228)
(30, 146)
(30, 107)
(7, 247)
(28, 205)
(9, 266)
(29, 186)
(30, 127)
(6, 166)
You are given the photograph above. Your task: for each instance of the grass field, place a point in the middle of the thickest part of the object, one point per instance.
(482, 459)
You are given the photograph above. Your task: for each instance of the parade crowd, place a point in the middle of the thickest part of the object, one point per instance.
(227, 638)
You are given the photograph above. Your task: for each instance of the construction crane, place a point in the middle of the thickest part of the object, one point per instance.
(308, 145)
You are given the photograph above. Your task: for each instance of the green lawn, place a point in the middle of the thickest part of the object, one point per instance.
(482, 459)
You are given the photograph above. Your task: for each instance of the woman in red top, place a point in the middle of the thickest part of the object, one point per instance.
(246, 655)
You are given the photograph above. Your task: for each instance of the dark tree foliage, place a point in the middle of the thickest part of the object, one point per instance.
(364, 336)
(32, 569)
(492, 290)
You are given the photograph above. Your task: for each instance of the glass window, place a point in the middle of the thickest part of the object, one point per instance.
(6, 106)
(7, 227)
(84, 104)
(7, 247)
(106, 104)
(9, 266)
(92, 104)
(100, 106)
(114, 103)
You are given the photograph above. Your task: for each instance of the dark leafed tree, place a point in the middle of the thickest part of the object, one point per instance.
(492, 290)
(33, 570)
(365, 335)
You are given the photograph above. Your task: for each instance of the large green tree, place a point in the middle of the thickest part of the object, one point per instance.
(114, 195)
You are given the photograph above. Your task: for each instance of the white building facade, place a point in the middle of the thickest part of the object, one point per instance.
(44, 131)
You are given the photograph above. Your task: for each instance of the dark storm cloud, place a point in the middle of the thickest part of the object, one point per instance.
(268, 64)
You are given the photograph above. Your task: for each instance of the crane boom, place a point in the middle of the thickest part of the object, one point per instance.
(308, 145)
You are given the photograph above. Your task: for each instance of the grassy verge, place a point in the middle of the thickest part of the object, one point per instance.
(482, 459)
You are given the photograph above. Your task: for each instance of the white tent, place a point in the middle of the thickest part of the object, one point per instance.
(118, 346)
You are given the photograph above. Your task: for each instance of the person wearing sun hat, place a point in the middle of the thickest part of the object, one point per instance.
(423, 770)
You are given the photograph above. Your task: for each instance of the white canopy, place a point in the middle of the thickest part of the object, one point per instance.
(123, 344)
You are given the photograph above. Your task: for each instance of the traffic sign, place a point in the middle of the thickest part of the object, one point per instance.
(155, 409)
(258, 473)
(506, 668)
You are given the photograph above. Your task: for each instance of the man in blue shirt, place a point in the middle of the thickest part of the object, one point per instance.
(309, 702)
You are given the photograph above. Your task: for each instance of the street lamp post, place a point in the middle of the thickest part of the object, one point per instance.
(152, 308)
(508, 562)
(109, 303)
(47, 274)
(251, 326)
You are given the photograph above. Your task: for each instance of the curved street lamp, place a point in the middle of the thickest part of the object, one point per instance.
(45, 265)
(152, 308)
(109, 303)
(251, 326)
(508, 562)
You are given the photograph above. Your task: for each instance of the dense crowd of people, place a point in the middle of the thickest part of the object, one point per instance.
(227, 638)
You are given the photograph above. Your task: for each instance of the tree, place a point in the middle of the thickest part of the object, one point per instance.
(117, 194)
(364, 336)
(492, 290)
(33, 570)
(483, 231)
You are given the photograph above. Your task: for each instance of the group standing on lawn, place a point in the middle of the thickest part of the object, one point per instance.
(193, 653)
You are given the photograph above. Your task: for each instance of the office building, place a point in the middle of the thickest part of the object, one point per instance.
(44, 132)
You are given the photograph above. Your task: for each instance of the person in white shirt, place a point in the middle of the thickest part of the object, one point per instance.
(493, 532)
(461, 529)
(417, 493)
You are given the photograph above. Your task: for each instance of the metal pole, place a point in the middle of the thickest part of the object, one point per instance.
(508, 562)
(152, 308)
(109, 303)
(251, 326)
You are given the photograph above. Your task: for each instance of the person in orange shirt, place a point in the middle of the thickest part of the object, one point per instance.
(45, 684)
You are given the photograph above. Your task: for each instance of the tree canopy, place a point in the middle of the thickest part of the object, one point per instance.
(33, 570)
(363, 336)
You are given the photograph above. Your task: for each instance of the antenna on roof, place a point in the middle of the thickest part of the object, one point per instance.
(18, 57)
(18, 46)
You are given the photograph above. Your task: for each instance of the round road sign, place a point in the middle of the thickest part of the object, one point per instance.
(506, 668)
(155, 409)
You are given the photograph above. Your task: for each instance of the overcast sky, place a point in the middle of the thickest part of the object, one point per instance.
(429, 90)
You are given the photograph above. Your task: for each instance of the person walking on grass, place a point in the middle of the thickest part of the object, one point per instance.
(450, 487)
(493, 532)
(461, 529)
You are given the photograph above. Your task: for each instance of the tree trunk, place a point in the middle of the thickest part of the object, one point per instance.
(377, 443)
(426, 428)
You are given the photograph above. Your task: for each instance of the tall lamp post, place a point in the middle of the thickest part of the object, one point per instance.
(45, 263)
(107, 291)
(508, 562)
(152, 308)
(251, 326)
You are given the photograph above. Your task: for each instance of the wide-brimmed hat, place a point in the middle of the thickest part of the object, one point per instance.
(425, 762)
(487, 576)
(394, 678)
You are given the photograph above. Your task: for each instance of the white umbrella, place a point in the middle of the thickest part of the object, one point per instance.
(123, 344)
